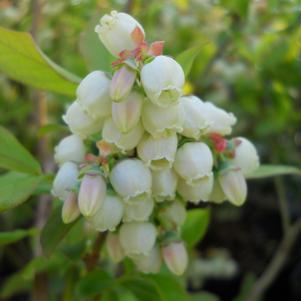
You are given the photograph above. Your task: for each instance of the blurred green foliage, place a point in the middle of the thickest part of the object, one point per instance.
(248, 60)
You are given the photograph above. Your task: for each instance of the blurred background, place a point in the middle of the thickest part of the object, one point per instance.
(249, 63)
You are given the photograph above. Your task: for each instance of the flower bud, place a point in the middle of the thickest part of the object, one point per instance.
(246, 157)
(218, 120)
(79, 122)
(92, 194)
(65, 180)
(126, 114)
(109, 215)
(93, 94)
(71, 148)
(148, 264)
(139, 211)
(124, 141)
(158, 153)
(114, 248)
(173, 215)
(234, 186)
(164, 184)
(131, 180)
(199, 191)
(163, 80)
(70, 211)
(137, 237)
(193, 161)
(175, 257)
(217, 195)
(194, 121)
(115, 32)
(122, 83)
(160, 122)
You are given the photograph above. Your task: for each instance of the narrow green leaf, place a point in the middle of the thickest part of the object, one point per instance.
(14, 156)
(265, 171)
(93, 51)
(93, 284)
(22, 60)
(144, 289)
(16, 188)
(10, 237)
(195, 226)
(187, 57)
(54, 231)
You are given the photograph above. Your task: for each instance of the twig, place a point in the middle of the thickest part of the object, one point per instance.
(92, 259)
(277, 263)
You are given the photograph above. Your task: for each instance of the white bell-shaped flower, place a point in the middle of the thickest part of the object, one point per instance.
(218, 120)
(70, 210)
(195, 123)
(115, 31)
(158, 153)
(126, 114)
(114, 248)
(246, 157)
(138, 211)
(71, 148)
(193, 161)
(91, 194)
(148, 264)
(109, 215)
(160, 122)
(175, 257)
(164, 184)
(131, 179)
(93, 93)
(217, 195)
(65, 180)
(234, 186)
(163, 80)
(124, 141)
(173, 215)
(80, 122)
(199, 191)
(137, 238)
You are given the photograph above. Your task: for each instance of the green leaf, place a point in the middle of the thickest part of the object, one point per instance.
(93, 51)
(187, 57)
(265, 171)
(203, 296)
(93, 284)
(22, 60)
(14, 156)
(16, 188)
(10, 237)
(195, 226)
(54, 231)
(144, 289)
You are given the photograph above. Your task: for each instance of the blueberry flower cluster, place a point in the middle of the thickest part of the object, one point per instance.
(140, 151)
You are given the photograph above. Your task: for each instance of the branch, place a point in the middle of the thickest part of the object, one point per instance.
(277, 263)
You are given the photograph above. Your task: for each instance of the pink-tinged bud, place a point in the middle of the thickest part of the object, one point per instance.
(194, 160)
(70, 211)
(198, 191)
(137, 238)
(114, 248)
(122, 83)
(126, 114)
(138, 211)
(92, 194)
(234, 186)
(148, 264)
(175, 257)
(109, 215)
